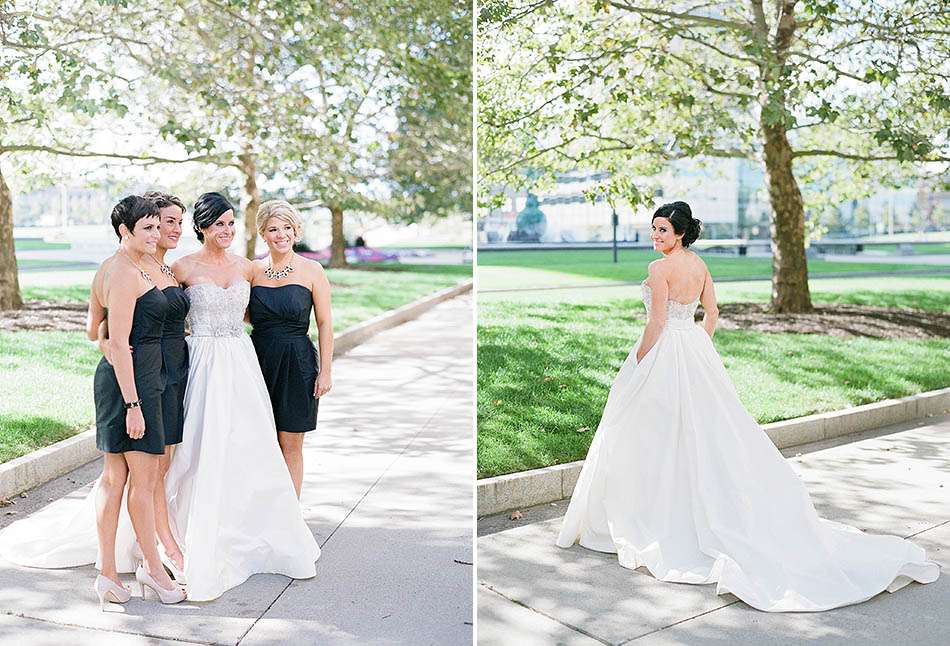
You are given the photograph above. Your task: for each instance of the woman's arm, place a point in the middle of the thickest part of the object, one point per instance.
(659, 293)
(708, 299)
(123, 292)
(96, 313)
(320, 291)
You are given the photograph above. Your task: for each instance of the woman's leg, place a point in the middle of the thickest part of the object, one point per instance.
(291, 445)
(108, 502)
(161, 511)
(143, 474)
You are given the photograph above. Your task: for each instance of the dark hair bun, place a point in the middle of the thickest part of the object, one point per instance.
(693, 230)
(681, 217)
(208, 208)
(130, 210)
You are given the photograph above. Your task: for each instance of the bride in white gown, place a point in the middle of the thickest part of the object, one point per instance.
(232, 504)
(680, 479)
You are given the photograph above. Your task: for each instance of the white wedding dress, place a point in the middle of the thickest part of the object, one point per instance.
(232, 505)
(680, 479)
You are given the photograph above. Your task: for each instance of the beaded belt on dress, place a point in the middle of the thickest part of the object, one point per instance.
(219, 332)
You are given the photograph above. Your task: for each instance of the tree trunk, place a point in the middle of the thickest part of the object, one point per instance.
(250, 202)
(337, 242)
(789, 265)
(9, 279)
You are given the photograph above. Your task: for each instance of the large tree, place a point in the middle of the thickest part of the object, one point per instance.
(628, 86)
(58, 89)
(391, 112)
(309, 90)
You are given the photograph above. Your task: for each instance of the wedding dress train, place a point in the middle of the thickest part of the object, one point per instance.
(680, 479)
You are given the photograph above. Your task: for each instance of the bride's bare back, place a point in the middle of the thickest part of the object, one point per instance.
(684, 278)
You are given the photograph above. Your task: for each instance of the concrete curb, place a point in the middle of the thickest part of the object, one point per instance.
(539, 486)
(361, 332)
(50, 462)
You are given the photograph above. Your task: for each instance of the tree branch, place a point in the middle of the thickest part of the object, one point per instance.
(148, 159)
(708, 21)
(818, 152)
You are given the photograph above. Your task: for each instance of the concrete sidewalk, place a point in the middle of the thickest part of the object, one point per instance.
(892, 480)
(387, 491)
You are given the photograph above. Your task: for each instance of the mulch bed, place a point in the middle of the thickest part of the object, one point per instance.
(45, 316)
(833, 320)
(839, 320)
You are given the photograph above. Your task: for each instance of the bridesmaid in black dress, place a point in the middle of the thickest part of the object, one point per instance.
(171, 212)
(128, 397)
(285, 288)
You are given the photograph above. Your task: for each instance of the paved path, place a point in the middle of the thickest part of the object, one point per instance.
(894, 480)
(387, 492)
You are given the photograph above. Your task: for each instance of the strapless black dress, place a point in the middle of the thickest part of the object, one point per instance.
(175, 355)
(289, 361)
(146, 340)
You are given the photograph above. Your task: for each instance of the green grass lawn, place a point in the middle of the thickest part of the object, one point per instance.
(37, 244)
(928, 293)
(924, 249)
(45, 389)
(36, 264)
(551, 268)
(357, 294)
(46, 377)
(545, 368)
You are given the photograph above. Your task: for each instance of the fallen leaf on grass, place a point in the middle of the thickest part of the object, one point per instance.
(497, 402)
(582, 429)
(562, 385)
(515, 515)
(549, 379)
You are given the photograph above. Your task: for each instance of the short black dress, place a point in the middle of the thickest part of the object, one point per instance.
(289, 361)
(175, 355)
(146, 340)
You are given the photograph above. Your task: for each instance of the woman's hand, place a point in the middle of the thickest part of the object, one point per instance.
(135, 423)
(323, 385)
(106, 350)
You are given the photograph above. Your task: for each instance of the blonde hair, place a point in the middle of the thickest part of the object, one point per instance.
(283, 211)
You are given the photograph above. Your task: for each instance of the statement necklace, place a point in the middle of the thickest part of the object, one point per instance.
(277, 274)
(136, 265)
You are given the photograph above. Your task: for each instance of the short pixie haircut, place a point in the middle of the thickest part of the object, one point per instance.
(161, 200)
(129, 211)
(283, 211)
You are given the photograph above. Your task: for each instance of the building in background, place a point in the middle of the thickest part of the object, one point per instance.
(728, 195)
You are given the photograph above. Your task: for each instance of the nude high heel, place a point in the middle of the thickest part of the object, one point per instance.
(178, 575)
(108, 590)
(175, 595)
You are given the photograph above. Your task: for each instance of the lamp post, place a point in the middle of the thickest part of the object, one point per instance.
(614, 220)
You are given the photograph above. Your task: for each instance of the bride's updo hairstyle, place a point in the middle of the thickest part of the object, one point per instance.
(208, 208)
(681, 217)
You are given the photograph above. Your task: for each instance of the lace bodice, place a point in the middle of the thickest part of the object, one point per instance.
(218, 311)
(674, 310)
